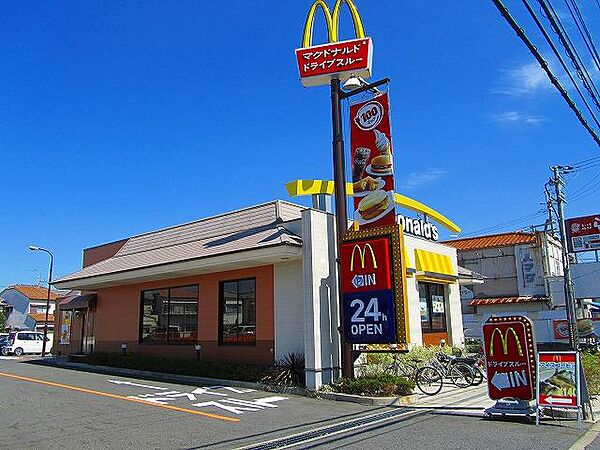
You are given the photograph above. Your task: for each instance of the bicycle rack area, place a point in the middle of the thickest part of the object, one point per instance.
(356, 353)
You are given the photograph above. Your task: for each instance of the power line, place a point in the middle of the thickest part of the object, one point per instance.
(544, 64)
(558, 32)
(501, 225)
(570, 49)
(585, 34)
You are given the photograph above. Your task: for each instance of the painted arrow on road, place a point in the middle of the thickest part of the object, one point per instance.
(500, 380)
(129, 383)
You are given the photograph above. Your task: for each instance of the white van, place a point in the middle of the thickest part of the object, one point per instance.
(26, 342)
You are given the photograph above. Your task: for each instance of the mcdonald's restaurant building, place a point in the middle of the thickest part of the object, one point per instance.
(250, 286)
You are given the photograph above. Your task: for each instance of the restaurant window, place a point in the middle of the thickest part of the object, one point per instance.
(433, 309)
(237, 311)
(170, 315)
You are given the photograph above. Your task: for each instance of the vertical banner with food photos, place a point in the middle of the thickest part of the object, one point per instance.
(65, 327)
(372, 163)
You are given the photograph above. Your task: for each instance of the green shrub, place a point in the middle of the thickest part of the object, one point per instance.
(383, 385)
(591, 367)
(288, 371)
(180, 366)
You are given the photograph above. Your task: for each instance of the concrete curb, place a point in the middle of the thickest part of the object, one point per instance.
(369, 401)
(173, 378)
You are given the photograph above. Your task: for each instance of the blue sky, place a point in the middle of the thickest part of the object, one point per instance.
(123, 117)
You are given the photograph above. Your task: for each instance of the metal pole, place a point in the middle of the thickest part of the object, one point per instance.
(341, 214)
(568, 285)
(47, 303)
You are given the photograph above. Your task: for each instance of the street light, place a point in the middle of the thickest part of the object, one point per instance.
(40, 249)
(353, 83)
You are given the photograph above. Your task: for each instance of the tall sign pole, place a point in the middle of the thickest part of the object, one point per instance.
(372, 304)
(334, 63)
(341, 213)
(558, 183)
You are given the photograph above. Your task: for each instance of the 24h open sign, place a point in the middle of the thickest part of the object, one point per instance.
(510, 357)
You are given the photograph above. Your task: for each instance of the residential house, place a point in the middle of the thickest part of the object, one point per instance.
(26, 307)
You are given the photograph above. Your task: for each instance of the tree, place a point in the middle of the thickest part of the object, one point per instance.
(2, 319)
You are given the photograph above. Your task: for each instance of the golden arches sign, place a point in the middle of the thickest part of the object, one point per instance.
(362, 253)
(504, 341)
(333, 21)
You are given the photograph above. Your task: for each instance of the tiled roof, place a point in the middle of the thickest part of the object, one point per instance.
(246, 229)
(492, 240)
(39, 317)
(506, 300)
(34, 292)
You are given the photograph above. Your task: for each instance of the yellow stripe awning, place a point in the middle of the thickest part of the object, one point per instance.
(434, 267)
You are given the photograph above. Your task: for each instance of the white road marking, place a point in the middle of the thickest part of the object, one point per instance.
(129, 383)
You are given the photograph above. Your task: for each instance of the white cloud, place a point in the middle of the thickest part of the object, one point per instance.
(518, 117)
(417, 179)
(527, 79)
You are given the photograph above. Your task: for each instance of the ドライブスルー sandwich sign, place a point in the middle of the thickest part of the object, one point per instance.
(373, 286)
(336, 59)
(510, 357)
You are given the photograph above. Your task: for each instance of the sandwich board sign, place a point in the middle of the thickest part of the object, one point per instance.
(510, 357)
(559, 381)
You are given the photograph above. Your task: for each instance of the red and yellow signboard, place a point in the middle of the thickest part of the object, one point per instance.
(366, 265)
(319, 64)
(372, 163)
(558, 379)
(510, 357)
(373, 286)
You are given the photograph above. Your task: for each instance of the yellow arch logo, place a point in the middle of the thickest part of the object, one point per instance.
(504, 341)
(333, 21)
(362, 254)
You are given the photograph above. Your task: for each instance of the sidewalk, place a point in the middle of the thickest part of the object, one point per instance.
(469, 401)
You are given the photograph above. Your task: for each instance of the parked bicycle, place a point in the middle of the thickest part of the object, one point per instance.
(430, 378)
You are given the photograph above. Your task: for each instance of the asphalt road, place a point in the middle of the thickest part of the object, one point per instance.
(48, 407)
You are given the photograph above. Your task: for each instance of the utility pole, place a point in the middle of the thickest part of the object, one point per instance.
(558, 183)
(549, 226)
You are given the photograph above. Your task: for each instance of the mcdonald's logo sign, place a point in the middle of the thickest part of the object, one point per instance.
(504, 341)
(509, 344)
(336, 59)
(362, 253)
(332, 20)
(366, 265)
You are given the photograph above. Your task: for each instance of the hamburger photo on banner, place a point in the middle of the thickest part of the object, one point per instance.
(372, 162)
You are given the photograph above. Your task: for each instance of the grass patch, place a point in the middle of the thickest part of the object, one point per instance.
(179, 366)
(383, 385)
(591, 368)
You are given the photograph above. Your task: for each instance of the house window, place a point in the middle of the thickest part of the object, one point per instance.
(237, 311)
(433, 309)
(170, 315)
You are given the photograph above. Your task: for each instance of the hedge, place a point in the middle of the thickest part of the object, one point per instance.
(180, 366)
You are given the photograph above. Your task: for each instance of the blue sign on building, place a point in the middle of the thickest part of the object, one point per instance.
(369, 317)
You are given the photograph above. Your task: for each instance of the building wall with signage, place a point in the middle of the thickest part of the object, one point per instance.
(452, 303)
(294, 306)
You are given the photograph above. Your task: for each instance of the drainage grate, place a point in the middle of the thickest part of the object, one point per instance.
(320, 433)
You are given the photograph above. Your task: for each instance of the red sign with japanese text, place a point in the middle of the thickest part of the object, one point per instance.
(372, 163)
(510, 357)
(366, 265)
(558, 379)
(320, 63)
(583, 233)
